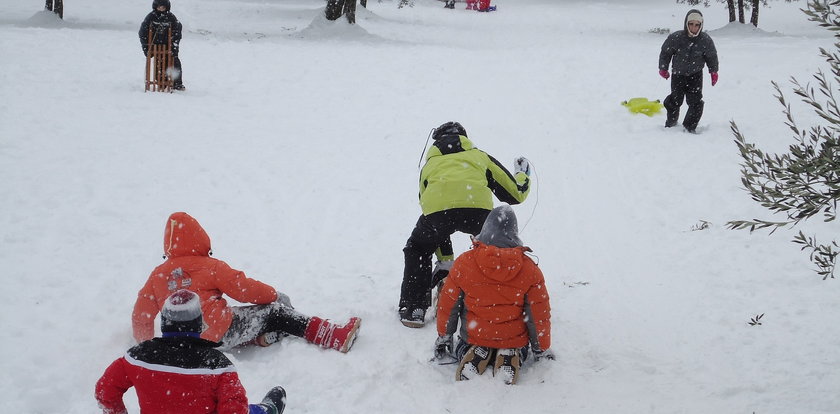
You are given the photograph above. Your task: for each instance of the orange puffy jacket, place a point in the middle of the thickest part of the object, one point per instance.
(189, 266)
(499, 297)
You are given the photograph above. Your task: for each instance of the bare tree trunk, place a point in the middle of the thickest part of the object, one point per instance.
(350, 11)
(55, 6)
(754, 16)
(337, 8)
(741, 11)
(334, 9)
(730, 5)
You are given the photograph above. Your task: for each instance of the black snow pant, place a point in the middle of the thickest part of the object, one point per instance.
(251, 321)
(430, 233)
(690, 88)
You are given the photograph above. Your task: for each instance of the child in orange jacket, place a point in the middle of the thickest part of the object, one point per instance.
(189, 266)
(497, 294)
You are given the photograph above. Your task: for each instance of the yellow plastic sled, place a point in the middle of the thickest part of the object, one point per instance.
(643, 106)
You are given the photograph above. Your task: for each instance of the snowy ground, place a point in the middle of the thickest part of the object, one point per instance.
(296, 146)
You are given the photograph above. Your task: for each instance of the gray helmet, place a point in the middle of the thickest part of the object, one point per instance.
(500, 229)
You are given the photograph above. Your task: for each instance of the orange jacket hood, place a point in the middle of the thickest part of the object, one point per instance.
(497, 263)
(183, 236)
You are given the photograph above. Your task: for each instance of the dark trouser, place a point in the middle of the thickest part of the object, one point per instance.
(690, 88)
(251, 321)
(430, 233)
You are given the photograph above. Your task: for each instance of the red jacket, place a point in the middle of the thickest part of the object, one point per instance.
(173, 375)
(504, 299)
(189, 266)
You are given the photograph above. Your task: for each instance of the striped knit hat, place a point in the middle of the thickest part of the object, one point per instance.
(181, 313)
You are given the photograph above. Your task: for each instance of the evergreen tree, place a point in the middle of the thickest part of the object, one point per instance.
(805, 181)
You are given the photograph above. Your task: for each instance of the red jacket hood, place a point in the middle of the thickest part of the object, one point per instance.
(183, 236)
(499, 263)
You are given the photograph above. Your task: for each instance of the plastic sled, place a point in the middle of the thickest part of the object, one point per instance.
(643, 106)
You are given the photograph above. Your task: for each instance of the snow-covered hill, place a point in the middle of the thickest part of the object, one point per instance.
(296, 146)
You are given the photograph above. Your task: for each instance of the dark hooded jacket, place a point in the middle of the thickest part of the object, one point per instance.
(496, 292)
(158, 25)
(687, 55)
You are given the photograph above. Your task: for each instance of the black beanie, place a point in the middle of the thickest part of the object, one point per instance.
(181, 313)
(158, 3)
(447, 129)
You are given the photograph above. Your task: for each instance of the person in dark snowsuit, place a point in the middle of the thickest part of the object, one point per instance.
(180, 372)
(160, 21)
(457, 185)
(687, 51)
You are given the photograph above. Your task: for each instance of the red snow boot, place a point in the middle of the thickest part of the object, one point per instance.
(331, 336)
(471, 5)
(483, 5)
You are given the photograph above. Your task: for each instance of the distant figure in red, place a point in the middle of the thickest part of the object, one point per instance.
(189, 266)
(479, 5)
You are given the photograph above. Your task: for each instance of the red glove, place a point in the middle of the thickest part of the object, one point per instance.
(664, 74)
(714, 76)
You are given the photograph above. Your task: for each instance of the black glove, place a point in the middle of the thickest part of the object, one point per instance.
(443, 349)
(541, 355)
(145, 51)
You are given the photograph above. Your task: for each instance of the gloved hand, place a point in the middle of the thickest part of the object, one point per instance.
(541, 355)
(521, 164)
(443, 348)
(714, 76)
(145, 51)
(664, 74)
(284, 300)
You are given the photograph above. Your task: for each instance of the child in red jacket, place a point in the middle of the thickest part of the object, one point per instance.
(180, 372)
(497, 294)
(189, 266)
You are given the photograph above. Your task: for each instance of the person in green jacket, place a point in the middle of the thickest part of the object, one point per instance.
(457, 185)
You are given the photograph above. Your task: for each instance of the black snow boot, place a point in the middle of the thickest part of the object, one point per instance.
(450, 4)
(275, 400)
(413, 317)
